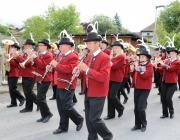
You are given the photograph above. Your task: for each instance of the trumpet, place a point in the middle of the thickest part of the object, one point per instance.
(23, 63)
(76, 73)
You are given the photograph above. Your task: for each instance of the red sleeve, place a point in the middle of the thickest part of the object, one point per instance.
(14, 62)
(102, 75)
(174, 67)
(118, 63)
(22, 59)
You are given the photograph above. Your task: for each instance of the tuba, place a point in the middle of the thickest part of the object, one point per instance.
(131, 49)
(7, 43)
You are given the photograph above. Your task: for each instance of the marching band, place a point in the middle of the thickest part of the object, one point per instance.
(103, 72)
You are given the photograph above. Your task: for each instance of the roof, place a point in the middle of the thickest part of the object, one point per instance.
(149, 28)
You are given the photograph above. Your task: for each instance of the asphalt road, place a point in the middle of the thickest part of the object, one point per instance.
(18, 126)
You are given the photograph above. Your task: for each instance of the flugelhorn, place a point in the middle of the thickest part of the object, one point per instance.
(24, 63)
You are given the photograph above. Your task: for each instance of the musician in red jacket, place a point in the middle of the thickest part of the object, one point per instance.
(142, 89)
(55, 53)
(13, 76)
(41, 61)
(104, 45)
(28, 80)
(68, 61)
(170, 69)
(97, 74)
(118, 63)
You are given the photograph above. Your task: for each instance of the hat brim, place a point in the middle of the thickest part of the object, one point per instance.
(29, 44)
(147, 55)
(45, 44)
(16, 46)
(67, 43)
(172, 51)
(89, 40)
(118, 45)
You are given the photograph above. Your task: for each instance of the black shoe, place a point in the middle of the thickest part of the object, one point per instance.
(83, 109)
(179, 97)
(53, 98)
(74, 103)
(171, 116)
(40, 120)
(21, 102)
(111, 137)
(78, 127)
(155, 87)
(25, 110)
(108, 118)
(47, 118)
(120, 114)
(163, 116)
(58, 131)
(159, 93)
(11, 105)
(143, 128)
(125, 101)
(135, 128)
(38, 108)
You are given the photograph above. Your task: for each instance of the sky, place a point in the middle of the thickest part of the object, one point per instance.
(135, 15)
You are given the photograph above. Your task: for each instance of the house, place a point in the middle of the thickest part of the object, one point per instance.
(148, 31)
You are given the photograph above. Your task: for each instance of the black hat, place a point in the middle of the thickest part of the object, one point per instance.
(157, 49)
(141, 48)
(16, 46)
(105, 42)
(172, 49)
(117, 43)
(167, 48)
(178, 51)
(29, 41)
(145, 52)
(67, 41)
(45, 42)
(92, 36)
(57, 44)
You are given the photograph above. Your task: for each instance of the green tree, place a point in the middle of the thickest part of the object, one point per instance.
(105, 23)
(37, 25)
(118, 22)
(170, 16)
(124, 30)
(63, 18)
(4, 30)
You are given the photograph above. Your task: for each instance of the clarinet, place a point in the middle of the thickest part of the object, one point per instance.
(76, 74)
(46, 72)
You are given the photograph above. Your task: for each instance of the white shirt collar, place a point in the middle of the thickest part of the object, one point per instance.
(68, 52)
(44, 52)
(97, 52)
(173, 59)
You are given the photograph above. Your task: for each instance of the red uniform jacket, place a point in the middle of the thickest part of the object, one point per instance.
(170, 75)
(75, 52)
(65, 68)
(14, 68)
(144, 81)
(41, 62)
(98, 76)
(118, 68)
(107, 51)
(27, 72)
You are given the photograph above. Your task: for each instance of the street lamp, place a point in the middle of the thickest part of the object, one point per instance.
(155, 38)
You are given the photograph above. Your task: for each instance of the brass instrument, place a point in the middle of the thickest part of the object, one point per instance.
(131, 49)
(7, 43)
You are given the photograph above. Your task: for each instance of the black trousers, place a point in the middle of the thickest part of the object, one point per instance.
(66, 110)
(167, 92)
(157, 75)
(41, 98)
(28, 84)
(140, 104)
(113, 101)
(54, 91)
(121, 89)
(74, 98)
(93, 111)
(14, 93)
